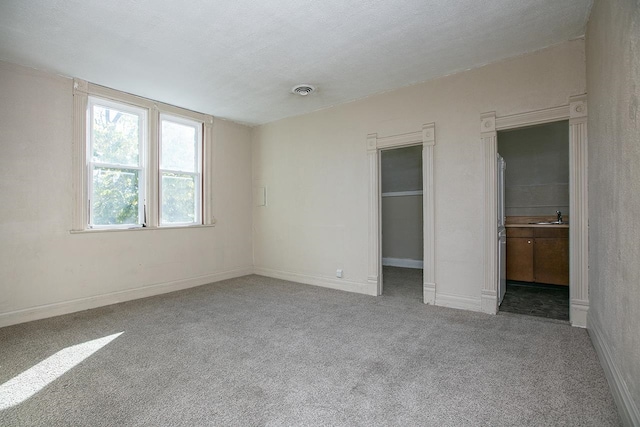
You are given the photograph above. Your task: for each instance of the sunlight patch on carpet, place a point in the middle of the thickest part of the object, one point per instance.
(34, 379)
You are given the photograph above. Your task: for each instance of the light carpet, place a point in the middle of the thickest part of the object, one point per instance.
(258, 351)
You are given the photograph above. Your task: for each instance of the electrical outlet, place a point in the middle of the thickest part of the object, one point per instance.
(339, 273)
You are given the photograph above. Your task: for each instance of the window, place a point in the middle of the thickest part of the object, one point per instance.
(116, 170)
(180, 176)
(138, 163)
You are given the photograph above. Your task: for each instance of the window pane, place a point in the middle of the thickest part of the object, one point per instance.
(178, 198)
(116, 136)
(179, 147)
(115, 196)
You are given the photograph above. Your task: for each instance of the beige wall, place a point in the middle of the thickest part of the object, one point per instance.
(402, 227)
(45, 270)
(613, 72)
(316, 170)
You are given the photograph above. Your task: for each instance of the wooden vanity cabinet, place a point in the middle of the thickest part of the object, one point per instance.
(538, 254)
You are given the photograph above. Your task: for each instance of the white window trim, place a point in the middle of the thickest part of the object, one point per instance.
(81, 92)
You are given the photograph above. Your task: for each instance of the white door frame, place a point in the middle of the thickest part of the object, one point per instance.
(375, 145)
(576, 113)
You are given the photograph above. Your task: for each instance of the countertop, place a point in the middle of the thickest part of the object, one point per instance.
(537, 225)
(526, 221)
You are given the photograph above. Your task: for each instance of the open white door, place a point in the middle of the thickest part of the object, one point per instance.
(502, 232)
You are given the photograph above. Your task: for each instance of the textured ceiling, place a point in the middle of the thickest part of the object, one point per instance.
(239, 59)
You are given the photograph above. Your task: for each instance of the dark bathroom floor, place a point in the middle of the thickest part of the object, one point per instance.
(535, 299)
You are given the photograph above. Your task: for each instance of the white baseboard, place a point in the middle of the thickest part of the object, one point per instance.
(80, 304)
(627, 408)
(489, 302)
(578, 313)
(458, 301)
(325, 282)
(429, 293)
(403, 262)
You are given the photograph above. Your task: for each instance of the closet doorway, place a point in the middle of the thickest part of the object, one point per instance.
(425, 138)
(402, 237)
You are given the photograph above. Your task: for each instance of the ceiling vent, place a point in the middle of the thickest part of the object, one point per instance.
(303, 90)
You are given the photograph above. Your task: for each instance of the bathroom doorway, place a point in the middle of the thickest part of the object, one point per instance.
(537, 219)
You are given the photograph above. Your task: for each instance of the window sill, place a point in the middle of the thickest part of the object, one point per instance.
(116, 230)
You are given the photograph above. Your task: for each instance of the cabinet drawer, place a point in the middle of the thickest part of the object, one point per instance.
(519, 232)
(551, 232)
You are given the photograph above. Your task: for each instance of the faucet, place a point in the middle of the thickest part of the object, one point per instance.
(559, 216)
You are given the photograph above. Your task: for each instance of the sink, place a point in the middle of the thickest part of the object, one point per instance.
(550, 223)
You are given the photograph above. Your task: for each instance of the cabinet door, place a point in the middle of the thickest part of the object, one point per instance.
(520, 259)
(551, 260)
